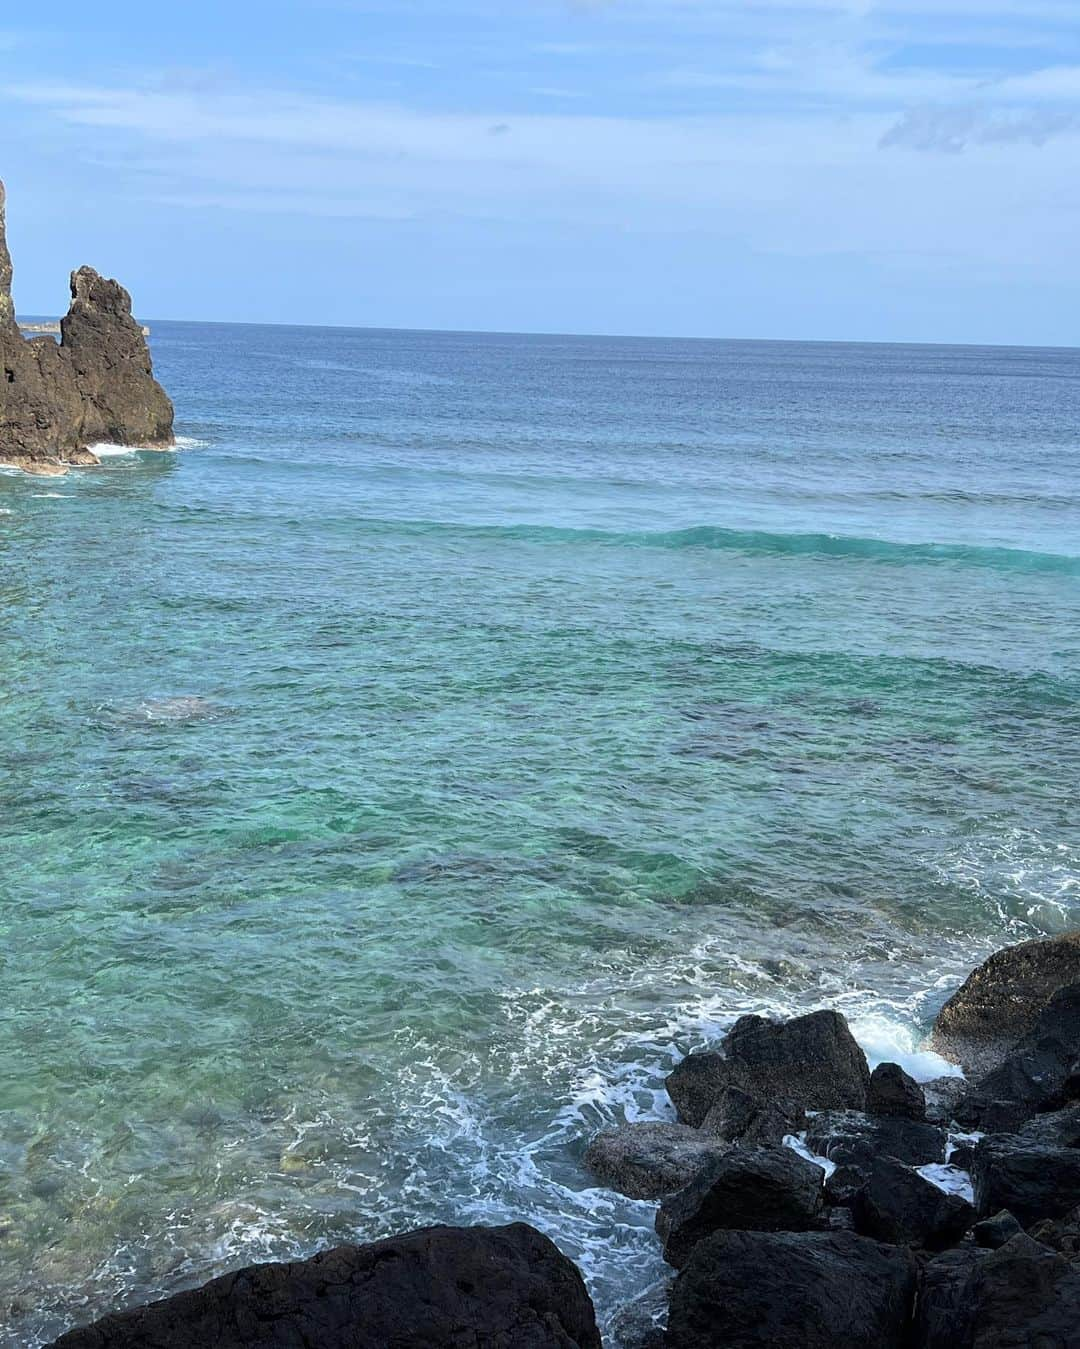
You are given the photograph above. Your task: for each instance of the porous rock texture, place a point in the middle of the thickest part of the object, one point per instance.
(1000, 1002)
(749, 1189)
(1022, 1296)
(811, 1062)
(466, 1287)
(647, 1160)
(787, 1290)
(96, 385)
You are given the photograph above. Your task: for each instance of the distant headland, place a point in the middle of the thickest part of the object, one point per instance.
(96, 385)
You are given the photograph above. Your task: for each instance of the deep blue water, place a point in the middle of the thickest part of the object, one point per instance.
(456, 729)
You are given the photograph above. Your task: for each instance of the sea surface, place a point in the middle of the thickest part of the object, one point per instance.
(398, 778)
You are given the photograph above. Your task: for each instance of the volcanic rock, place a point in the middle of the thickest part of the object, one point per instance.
(895, 1093)
(812, 1061)
(1029, 1179)
(646, 1160)
(813, 1290)
(753, 1189)
(740, 1116)
(850, 1137)
(999, 1003)
(477, 1286)
(95, 385)
(899, 1206)
(1018, 1297)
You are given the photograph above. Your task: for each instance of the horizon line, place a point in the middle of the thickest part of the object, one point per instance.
(589, 336)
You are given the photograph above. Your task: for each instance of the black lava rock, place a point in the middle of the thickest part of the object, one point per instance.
(812, 1061)
(1030, 1180)
(993, 1233)
(1022, 1296)
(899, 1206)
(475, 1286)
(894, 1092)
(819, 1290)
(753, 1189)
(848, 1137)
(740, 1116)
(1000, 1002)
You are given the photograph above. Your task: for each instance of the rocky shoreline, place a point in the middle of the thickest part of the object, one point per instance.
(803, 1202)
(95, 386)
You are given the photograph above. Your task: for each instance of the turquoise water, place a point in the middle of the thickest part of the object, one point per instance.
(399, 777)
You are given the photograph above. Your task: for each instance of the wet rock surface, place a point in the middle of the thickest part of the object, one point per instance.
(899, 1206)
(96, 385)
(492, 1288)
(1000, 1002)
(645, 1161)
(812, 1061)
(750, 1189)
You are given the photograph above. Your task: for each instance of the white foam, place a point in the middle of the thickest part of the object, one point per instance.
(797, 1143)
(190, 443)
(886, 1041)
(106, 450)
(50, 496)
(949, 1178)
(956, 1139)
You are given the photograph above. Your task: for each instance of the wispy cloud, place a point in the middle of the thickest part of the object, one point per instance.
(948, 130)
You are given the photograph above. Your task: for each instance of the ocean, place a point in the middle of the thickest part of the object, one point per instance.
(457, 729)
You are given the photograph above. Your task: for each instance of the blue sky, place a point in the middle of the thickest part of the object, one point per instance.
(805, 169)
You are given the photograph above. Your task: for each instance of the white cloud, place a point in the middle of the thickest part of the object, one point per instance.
(952, 129)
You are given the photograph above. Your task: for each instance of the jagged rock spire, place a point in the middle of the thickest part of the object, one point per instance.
(57, 400)
(7, 308)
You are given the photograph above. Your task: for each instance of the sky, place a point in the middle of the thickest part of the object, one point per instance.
(822, 169)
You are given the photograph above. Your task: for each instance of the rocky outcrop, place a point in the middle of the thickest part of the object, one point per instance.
(811, 1063)
(95, 385)
(849, 1137)
(895, 1093)
(1000, 1002)
(489, 1288)
(1031, 1180)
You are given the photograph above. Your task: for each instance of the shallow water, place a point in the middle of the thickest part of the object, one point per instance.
(398, 778)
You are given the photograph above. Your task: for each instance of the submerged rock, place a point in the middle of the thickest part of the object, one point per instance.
(811, 1061)
(753, 1189)
(95, 385)
(1000, 1002)
(478, 1286)
(641, 1324)
(812, 1290)
(645, 1160)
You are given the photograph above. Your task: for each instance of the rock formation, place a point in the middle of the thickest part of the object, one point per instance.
(95, 385)
(485, 1287)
